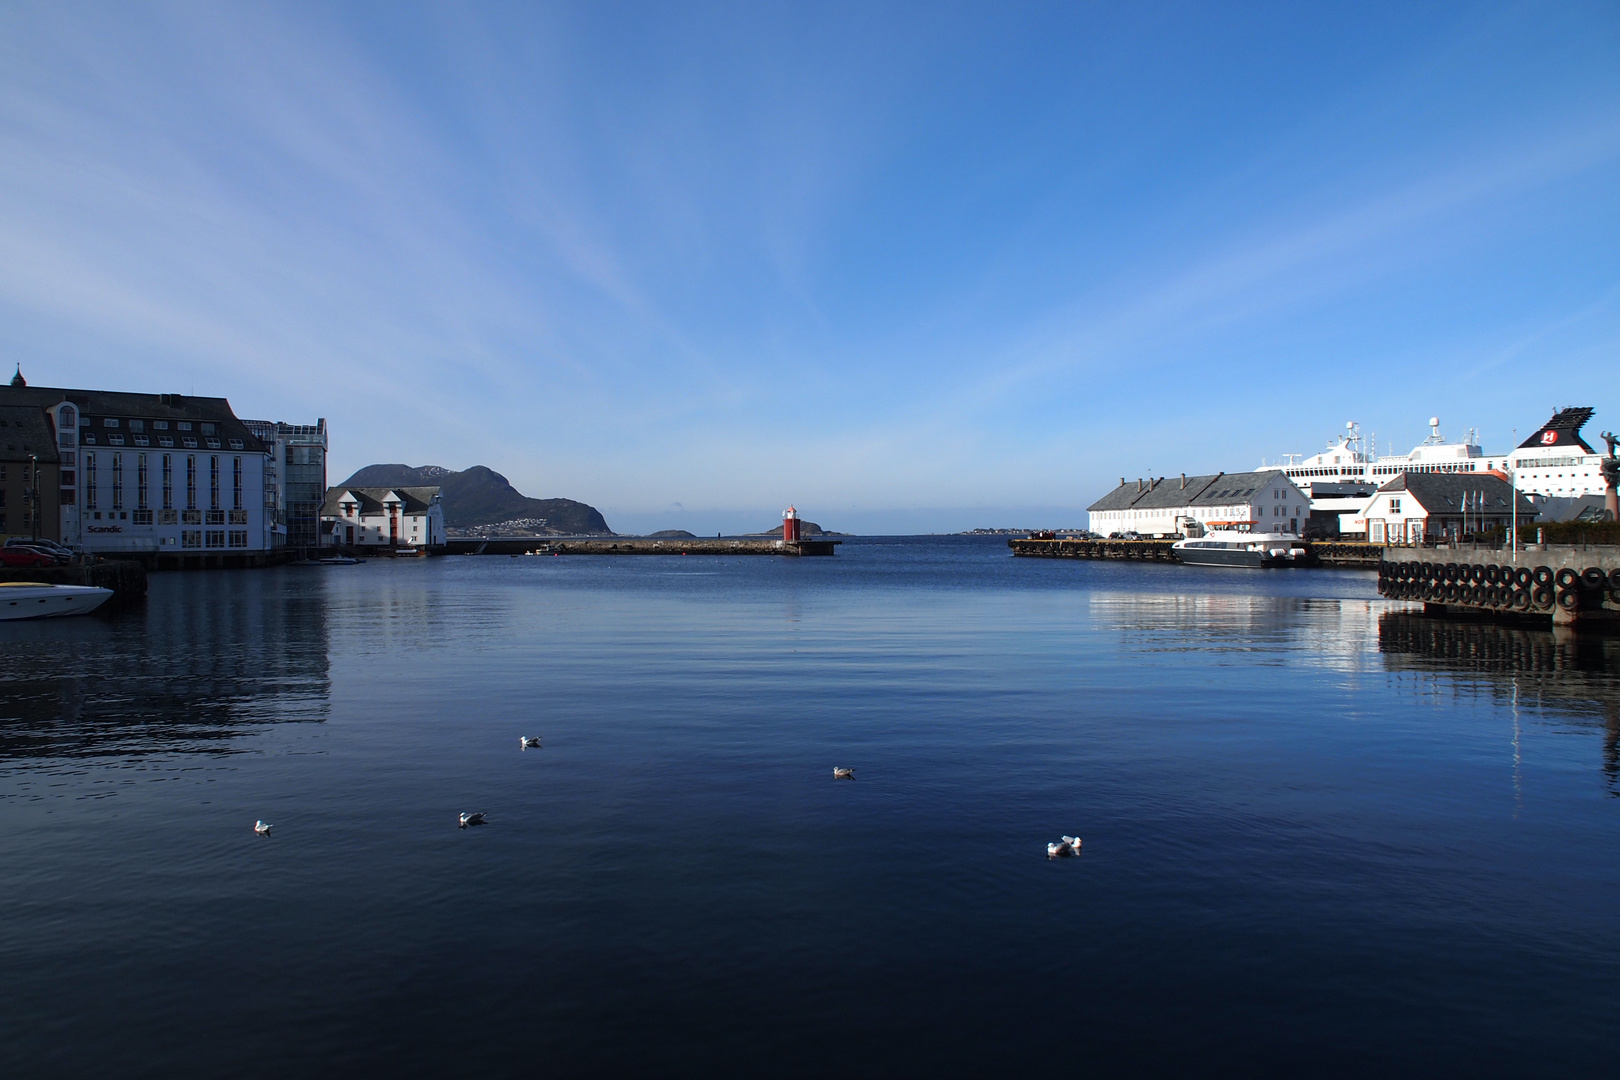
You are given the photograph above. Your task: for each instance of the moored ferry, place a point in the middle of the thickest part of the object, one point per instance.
(1231, 547)
(1554, 462)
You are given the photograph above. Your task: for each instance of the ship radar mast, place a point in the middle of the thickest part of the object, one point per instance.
(1435, 438)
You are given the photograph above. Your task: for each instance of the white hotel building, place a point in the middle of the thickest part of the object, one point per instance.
(170, 475)
(1255, 501)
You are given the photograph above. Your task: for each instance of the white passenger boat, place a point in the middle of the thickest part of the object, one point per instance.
(35, 600)
(1233, 548)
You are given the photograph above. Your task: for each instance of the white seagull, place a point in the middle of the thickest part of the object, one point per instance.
(525, 742)
(1068, 845)
(261, 828)
(472, 819)
(840, 773)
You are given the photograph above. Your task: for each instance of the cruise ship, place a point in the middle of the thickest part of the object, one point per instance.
(1555, 462)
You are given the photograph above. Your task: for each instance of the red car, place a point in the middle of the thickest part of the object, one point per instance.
(23, 557)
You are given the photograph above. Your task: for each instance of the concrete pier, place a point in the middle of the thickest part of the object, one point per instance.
(1566, 585)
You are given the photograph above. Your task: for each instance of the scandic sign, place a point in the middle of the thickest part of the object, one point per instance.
(106, 528)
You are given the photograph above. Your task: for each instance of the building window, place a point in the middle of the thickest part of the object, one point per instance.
(160, 425)
(239, 517)
(188, 441)
(216, 517)
(184, 425)
(143, 517)
(1394, 506)
(109, 422)
(118, 481)
(115, 440)
(208, 429)
(165, 440)
(168, 517)
(137, 425)
(142, 440)
(168, 483)
(66, 417)
(236, 482)
(191, 482)
(213, 482)
(89, 480)
(238, 538)
(66, 497)
(89, 439)
(216, 538)
(236, 444)
(140, 483)
(213, 444)
(191, 538)
(191, 517)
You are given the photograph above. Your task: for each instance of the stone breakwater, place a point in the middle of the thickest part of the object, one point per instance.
(631, 545)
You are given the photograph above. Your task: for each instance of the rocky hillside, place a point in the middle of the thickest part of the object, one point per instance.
(480, 499)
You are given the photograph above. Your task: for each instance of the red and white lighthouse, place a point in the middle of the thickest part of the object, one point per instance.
(790, 526)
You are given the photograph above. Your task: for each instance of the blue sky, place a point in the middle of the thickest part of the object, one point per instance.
(910, 267)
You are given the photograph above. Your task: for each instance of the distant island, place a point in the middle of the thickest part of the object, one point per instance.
(673, 534)
(481, 502)
(806, 528)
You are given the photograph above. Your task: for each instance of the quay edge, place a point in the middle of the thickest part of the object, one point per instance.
(1318, 553)
(1569, 585)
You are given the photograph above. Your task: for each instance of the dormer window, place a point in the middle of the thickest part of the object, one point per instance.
(137, 425)
(67, 416)
(109, 421)
(160, 425)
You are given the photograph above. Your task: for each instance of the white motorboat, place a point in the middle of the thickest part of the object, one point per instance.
(337, 560)
(36, 600)
(1233, 548)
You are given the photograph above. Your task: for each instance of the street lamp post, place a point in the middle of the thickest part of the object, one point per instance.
(31, 493)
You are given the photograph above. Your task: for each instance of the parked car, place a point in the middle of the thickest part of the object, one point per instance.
(13, 555)
(43, 544)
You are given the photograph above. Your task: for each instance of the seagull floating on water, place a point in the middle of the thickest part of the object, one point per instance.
(472, 819)
(525, 741)
(1068, 845)
(261, 828)
(840, 773)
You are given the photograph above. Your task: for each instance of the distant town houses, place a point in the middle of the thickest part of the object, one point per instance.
(384, 517)
(176, 476)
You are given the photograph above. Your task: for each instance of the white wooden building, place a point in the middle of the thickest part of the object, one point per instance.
(1257, 501)
(1415, 507)
(383, 517)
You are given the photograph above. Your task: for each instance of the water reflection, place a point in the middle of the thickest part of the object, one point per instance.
(1572, 679)
(204, 660)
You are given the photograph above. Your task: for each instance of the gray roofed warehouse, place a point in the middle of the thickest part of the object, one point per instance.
(1169, 492)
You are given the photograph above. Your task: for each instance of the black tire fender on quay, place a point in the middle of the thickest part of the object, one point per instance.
(1451, 571)
(1614, 580)
(1569, 599)
(1542, 597)
(1594, 578)
(1493, 575)
(1567, 578)
(1542, 575)
(1523, 578)
(1521, 600)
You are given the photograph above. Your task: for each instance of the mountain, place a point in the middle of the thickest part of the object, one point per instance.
(479, 498)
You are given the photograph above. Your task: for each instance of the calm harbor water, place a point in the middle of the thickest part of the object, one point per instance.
(1322, 835)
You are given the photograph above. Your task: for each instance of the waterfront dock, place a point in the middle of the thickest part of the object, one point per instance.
(1570, 585)
(1320, 553)
(634, 545)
